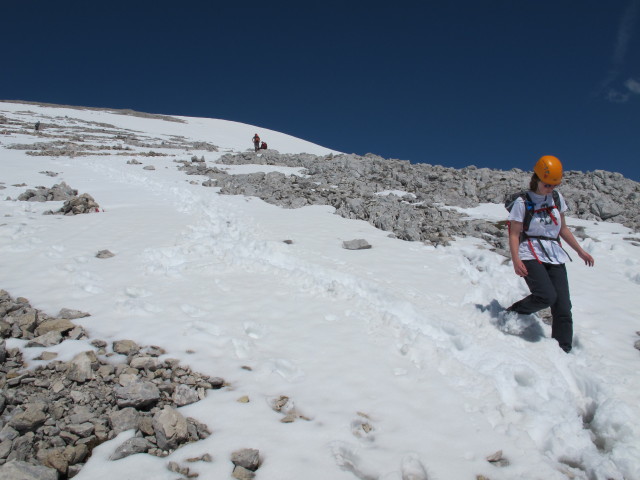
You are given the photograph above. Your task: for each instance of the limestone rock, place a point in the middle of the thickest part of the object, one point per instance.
(357, 244)
(170, 428)
(61, 325)
(47, 340)
(139, 394)
(130, 447)
(81, 367)
(18, 470)
(248, 458)
(28, 420)
(125, 347)
(71, 314)
(125, 419)
(185, 395)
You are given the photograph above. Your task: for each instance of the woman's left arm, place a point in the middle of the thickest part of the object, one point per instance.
(568, 237)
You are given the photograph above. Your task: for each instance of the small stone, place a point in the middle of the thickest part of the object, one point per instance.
(243, 399)
(139, 394)
(71, 314)
(83, 430)
(105, 254)
(248, 458)
(125, 419)
(47, 356)
(16, 469)
(170, 427)
(61, 325)
(497, 459)
(57, 386)
(5, 449)
(185, 395)
(637, 345)
(29, 420)
(357, 244)
(202, 458)
(144, 363)
(81, 367)
(130, 447)
(49, 339)
(242, 473)
(55, 458)
(126, 347)
(289, 418)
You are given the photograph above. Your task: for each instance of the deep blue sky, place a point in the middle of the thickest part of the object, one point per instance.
(491, 83)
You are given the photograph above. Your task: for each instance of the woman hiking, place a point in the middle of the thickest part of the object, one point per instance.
(536, 225)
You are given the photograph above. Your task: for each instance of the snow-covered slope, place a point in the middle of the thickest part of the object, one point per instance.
(399, 337)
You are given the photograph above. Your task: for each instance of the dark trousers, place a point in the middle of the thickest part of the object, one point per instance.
(549, 287)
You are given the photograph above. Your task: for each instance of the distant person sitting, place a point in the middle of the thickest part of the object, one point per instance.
(256, 142)
(263, 146)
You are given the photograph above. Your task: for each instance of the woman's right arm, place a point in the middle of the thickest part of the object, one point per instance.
(514, 244)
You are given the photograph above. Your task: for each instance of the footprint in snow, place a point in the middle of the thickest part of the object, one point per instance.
(347, 459)
(412, 468)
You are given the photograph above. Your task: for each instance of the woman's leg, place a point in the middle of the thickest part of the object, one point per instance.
(543, 292)
(562, 327)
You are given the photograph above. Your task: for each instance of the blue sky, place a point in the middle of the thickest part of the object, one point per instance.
(487, 83)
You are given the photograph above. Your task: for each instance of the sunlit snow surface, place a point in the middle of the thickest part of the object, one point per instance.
(401, 337)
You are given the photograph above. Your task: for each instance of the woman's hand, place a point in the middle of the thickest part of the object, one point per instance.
(588, 259)
(519, 268)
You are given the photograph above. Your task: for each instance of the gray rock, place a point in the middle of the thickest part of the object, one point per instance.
(144, 363)
(8, 433)
(139, 394)
(28, 420)
(22, 448)
(358, 244)
(5, 449)
(125, 419)
(42, 194)
(81, 367)
(125, 347)
(81, 414)
(3, 351)
(637, 345)
(248, 458)
(83, 430)
(18, 470)
(241, 473)
(60, 325)
(71, 314)
(104, 254)
(170, 428)
(47, 340)
(132, 446)
(185, 395)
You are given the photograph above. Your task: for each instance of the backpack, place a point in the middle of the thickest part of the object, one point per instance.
(529, 212)
(510, 201)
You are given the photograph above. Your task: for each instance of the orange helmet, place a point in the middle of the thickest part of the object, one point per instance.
(549, 170)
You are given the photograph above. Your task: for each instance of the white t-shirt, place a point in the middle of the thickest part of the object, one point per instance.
(542, 224)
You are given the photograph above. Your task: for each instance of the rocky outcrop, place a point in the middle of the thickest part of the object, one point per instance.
(58, 192)
(413, 201)
(53, 415)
